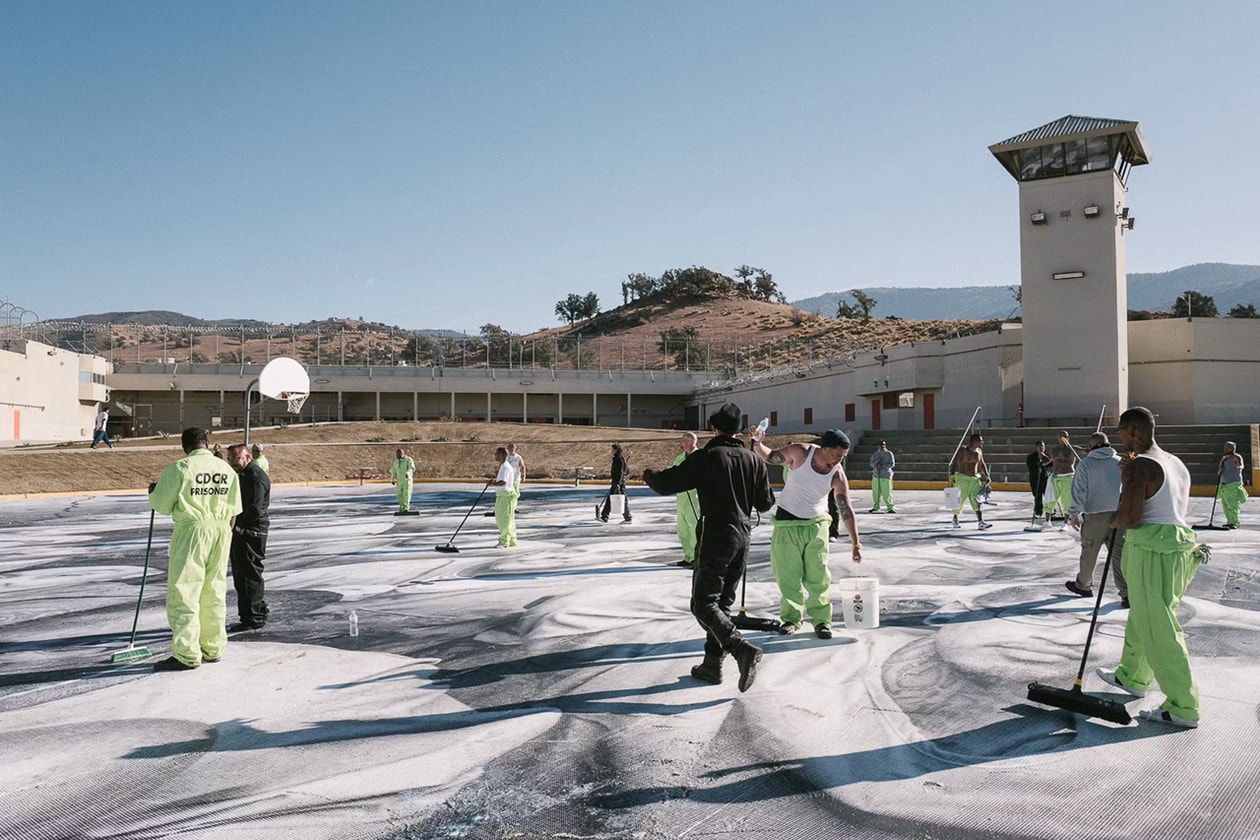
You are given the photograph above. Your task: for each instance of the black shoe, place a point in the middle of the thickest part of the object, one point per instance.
(243, 627)
(822, 630)
(1124, 603)
(684, 564)
(873, 510)
(787, 628)
(1076, 590)
(170, 663)
(603, 519)
(707, 672)
(747, 655)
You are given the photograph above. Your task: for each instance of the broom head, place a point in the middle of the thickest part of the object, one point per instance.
(744, 621)
(1074, 700)
(449, 548)
(131, 654)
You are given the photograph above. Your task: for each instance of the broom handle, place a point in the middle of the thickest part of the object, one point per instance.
(960, 443)
(1093, 622)
(143, 577)
(466, 515)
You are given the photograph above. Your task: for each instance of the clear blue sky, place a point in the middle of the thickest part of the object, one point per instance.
(447, 165)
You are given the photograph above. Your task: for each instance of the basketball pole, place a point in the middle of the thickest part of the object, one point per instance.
(249, 389)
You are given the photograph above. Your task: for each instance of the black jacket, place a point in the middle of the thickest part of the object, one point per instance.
(729, 480)
(255, 500)
(620, 472)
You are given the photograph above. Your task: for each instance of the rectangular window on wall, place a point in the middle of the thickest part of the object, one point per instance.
(890, 402)
(774, 419)
(809, 417)
(850, 412)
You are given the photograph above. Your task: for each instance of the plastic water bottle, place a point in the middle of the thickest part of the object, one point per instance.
(760, 431)
(354, 623)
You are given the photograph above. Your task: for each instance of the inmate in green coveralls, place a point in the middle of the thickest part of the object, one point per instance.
(688, 516)
(200, 493)
(1159, 561)
(1231, 491)
(400, 473)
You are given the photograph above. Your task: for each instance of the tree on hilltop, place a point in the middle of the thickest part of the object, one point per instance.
(577, 307)
(865, 302)
(1193, 304)
(1241, 311)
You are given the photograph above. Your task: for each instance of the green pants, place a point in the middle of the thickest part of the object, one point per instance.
(968, 488)
(1062, 492)
(688, 514)
(404, 494)
(196, 589)
(1232, 497)
(505, 515)
(881, 490)
(798, 555)
(1159, 562)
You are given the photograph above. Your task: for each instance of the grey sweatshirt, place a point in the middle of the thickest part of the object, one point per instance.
(1096, 484)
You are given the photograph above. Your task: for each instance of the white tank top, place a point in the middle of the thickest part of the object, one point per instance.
(1168, 505)
(805, 489)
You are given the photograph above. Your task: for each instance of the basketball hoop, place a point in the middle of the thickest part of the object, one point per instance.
(295, 401)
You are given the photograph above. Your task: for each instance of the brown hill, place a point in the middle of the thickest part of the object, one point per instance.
(728, 332)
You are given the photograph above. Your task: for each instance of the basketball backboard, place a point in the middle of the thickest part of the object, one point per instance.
(283, 378)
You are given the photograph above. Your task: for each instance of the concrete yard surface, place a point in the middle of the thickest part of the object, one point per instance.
(544, 690)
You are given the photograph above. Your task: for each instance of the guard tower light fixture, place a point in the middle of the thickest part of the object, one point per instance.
(1067, 275)
(1038, 218)
(1090, 211)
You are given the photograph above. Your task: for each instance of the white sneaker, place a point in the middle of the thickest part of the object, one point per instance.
(984, 526)
(1165, 716)
(1109, 677)
(956, 525)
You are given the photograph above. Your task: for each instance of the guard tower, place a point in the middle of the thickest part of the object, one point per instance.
(1072, 224)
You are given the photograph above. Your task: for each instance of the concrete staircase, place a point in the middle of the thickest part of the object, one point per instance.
(924, 455)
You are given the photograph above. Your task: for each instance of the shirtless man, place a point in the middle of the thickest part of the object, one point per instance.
(968, 465)
(1063, 457)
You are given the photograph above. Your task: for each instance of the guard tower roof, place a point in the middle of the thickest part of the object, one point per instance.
(1071, 145)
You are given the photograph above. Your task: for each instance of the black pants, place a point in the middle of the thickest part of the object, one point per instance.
(1038, 490)
(603, 512)
(246, 555)
(721, 555)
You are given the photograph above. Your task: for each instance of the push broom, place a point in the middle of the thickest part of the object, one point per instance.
(1073, 699)
(131, 652)
(450, 547)
(1209, 526)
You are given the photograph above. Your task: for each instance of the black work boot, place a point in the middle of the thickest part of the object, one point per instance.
(710, 671)
(747, 655)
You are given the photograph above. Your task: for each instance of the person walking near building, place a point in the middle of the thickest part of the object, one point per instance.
(256, 452)
(505, 496)
(1095, 498)
(798, 545)
(620, 471)
(249, 540)
(100, 430)
(1160, 559)
(688, 508)
(730, 482)
(1063, 459)
(202, 495)
(401, 474)
(882, 463)
(968, 467)
(1039, 464)
(1230, 490)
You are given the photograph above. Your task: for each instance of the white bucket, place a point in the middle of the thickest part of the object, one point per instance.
(616, 504)
(953, 498)
(859, 601)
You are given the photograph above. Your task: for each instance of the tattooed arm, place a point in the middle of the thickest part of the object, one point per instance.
(840, 486)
